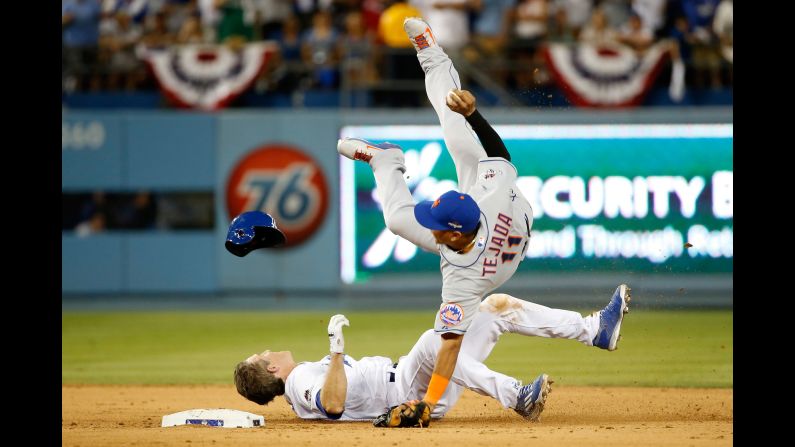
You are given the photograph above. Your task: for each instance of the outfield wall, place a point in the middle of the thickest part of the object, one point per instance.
(285, 162)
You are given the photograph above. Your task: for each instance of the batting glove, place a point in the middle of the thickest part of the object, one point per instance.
(336, 340)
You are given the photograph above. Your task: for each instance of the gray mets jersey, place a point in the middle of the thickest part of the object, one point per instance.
(505, 221)
(370, 388)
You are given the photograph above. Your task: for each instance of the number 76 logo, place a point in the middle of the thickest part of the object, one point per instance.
(284, 182)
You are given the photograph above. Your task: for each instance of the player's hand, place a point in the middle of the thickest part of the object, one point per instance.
(461, 101)
(415, 413)
(336, 340)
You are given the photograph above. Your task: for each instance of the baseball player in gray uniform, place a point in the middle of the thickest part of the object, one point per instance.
(480, 231)
(339, 387)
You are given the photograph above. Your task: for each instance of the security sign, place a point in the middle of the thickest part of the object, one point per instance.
(286, 183)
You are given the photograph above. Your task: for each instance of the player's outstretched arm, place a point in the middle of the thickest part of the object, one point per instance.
(335, 387)
(463, 102)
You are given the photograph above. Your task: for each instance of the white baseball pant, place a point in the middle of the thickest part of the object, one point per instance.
(499, 314)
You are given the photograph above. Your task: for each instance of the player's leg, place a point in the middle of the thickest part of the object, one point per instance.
(414, 372)
(476, 376)
(501, 313)
(440, 77)
(482, 335)
(388, 166)
(527, 400)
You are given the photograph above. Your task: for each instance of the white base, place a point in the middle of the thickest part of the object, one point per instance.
(215, 417)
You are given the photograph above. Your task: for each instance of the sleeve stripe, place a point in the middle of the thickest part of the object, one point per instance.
(323, 410)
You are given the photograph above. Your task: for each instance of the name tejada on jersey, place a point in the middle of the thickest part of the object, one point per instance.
(503, 246)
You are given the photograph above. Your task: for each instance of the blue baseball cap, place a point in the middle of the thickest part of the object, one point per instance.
(252, 230)
(453, 211)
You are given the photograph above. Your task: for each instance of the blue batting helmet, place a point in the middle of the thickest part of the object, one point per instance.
(252, 230)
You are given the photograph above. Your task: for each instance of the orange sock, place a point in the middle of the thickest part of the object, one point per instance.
(436, 388)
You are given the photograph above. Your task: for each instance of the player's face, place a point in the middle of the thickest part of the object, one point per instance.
(280, 358)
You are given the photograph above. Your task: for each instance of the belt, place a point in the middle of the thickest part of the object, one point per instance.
(392, 373)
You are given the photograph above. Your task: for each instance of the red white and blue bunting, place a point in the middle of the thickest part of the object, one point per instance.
(207, 77)
(598, 76)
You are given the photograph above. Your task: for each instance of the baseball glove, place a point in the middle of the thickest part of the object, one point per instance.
(409, 414)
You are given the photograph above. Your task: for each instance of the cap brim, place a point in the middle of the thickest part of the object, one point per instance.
(239, 250)
(266, 237)
(422, 212)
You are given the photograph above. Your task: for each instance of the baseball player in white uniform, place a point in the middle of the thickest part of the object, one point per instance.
(339, 387)
(481, 231)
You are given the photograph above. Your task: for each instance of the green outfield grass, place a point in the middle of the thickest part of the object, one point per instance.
(658, 348)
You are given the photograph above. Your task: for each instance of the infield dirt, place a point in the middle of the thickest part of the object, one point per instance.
(112, 415)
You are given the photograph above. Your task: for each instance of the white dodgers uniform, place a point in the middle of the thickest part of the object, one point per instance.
(375, 384)
(506, 215)
(367, 393)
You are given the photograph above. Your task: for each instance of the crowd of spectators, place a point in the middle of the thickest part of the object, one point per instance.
(323, 43)
(88, 213)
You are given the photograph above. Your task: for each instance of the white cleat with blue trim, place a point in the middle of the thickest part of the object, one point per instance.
(531, 399)
(610, 319)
